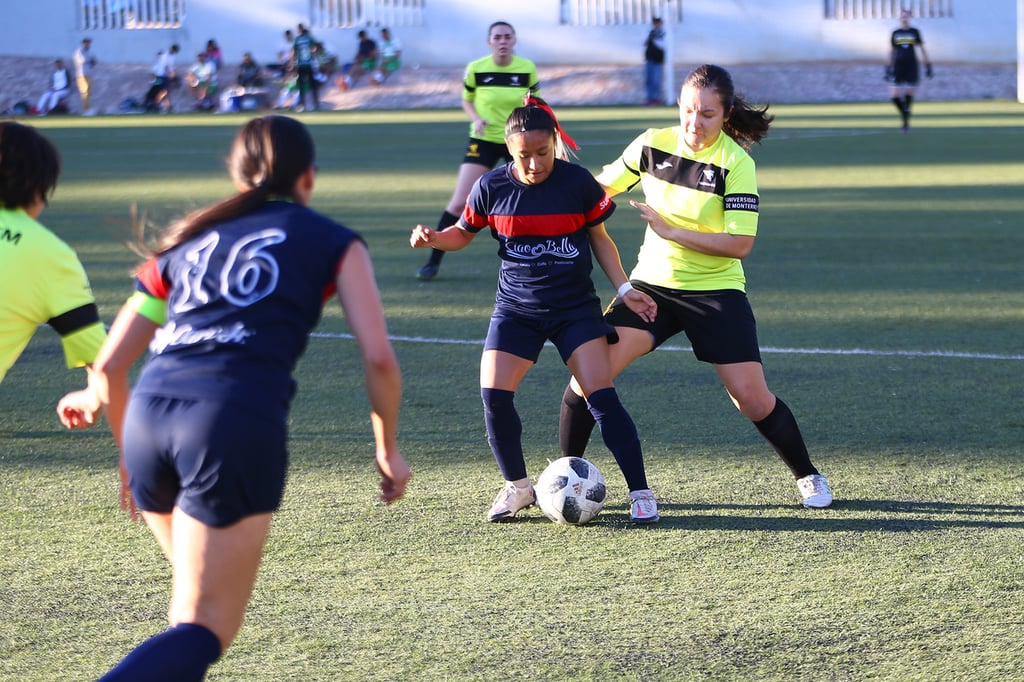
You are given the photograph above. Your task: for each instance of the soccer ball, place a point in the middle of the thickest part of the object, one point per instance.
(570, 490)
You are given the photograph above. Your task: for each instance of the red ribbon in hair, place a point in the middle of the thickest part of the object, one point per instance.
(531, 101)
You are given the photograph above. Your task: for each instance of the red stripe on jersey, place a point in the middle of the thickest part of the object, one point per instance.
(551, 225)
(150, 278)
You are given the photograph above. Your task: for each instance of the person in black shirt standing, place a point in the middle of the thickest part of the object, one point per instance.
(903, 69)
(654, 64)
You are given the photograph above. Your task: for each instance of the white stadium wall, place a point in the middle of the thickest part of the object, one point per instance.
(452, 32)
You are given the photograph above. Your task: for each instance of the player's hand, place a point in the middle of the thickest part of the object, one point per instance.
(928, 70)
(79, 409)
(641, 304)
(654, 219)
(395, 475)
(890, 73)
(479, 126)
(421, 236)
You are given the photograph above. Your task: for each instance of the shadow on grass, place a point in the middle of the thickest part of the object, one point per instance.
(888, 516)
(896, 516)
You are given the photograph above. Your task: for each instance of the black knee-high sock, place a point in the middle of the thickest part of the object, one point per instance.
(575, 424)
(620, 436)
(902, 108)
(504, 432)
(446, 220)
(182, 653)
(908, 101)
(782, 432)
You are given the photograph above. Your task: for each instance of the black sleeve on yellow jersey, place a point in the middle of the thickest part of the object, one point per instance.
(73, 320)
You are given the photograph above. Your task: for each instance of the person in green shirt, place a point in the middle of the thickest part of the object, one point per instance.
(700, 208)
(492, 87)
(41, 279)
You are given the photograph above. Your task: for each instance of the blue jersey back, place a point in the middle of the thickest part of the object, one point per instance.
(242, 298)
(542, 234)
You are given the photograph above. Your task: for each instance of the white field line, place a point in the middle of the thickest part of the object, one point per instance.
(769, 349)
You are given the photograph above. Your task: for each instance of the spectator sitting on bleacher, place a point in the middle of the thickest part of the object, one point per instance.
(202, 79)
(280, 68)
(250, 75)
(59, 90)
(390, 57)
(248, 93)
(365, 61)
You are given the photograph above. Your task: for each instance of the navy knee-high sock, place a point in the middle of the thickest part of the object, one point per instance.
(179, 654)
(575, 424)
(782, 432)
(446, 220)
(619, 434)
(504, 432)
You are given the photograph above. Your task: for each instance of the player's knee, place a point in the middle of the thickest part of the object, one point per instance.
(755, 403)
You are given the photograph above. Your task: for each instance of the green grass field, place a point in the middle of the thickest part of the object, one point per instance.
(888, 281)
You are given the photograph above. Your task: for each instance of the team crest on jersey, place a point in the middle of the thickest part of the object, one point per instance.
(707, 177)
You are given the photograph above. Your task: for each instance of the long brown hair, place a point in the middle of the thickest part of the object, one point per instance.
(267, 157)
(744, 122)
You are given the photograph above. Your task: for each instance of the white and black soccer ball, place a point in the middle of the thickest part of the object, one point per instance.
(570, 490)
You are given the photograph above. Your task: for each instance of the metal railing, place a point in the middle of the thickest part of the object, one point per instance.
(888, 9)
(96, 15)
(355, 13)
(619, 12)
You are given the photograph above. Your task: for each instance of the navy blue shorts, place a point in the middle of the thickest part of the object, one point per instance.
(219, 461)
(719, 324)
(524, 337)
(483, 153)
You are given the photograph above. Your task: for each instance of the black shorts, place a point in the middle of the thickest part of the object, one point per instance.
(719, 324)
(218, 460)
(483, 153)
(524, 337)
(906, 73)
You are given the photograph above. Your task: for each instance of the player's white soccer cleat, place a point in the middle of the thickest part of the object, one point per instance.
(510, 501)
(814, 491)
(643, 508)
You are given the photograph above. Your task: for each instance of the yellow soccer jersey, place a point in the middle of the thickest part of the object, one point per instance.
(496, 90)
(714, 190)
(42, 281)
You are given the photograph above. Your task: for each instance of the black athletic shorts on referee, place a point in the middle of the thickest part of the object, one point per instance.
(719, 324)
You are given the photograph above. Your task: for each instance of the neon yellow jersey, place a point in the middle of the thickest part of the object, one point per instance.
(714, 190)
(42, 281)
(496, 90)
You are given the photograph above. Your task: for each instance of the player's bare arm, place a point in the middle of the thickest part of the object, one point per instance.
(711, 243)
(607, 255)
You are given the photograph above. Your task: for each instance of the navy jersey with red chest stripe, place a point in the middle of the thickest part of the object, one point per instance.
(542, 233)
(242, 298)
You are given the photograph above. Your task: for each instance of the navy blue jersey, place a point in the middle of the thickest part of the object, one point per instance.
(542, 234)
(242, 298)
